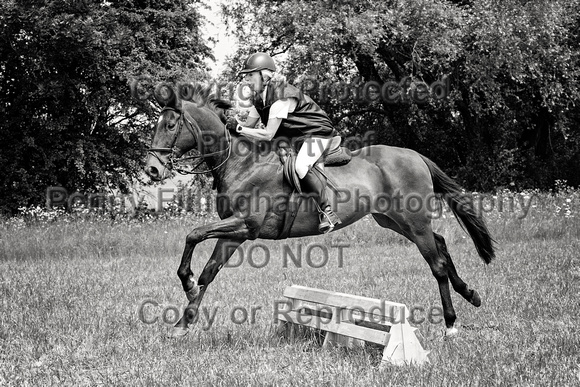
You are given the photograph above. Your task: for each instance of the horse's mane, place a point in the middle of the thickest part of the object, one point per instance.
(202, 95)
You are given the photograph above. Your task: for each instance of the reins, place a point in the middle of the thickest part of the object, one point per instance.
(173, 163)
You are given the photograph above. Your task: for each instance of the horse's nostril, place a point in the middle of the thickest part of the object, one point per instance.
(153, 172)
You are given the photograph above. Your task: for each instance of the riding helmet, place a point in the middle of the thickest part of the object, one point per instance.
(258, 61)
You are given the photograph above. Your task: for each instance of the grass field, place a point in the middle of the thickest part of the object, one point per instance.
(89, 301)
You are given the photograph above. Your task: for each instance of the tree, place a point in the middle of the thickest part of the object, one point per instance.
(510, 111)
(519, 74)
(70, 117)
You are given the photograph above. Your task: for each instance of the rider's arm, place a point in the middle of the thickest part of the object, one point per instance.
(278, 112)
(266, 134)
(250, 122)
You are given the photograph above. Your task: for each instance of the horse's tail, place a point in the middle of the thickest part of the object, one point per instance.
(462, 207)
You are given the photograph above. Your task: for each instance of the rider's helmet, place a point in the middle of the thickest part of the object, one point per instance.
(258, 61)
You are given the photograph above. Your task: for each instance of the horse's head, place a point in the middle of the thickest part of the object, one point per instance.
(170, 140)
(183, 126)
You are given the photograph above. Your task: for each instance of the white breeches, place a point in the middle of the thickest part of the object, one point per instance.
(309, 153)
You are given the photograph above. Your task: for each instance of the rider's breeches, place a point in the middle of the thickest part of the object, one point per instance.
(309, 153)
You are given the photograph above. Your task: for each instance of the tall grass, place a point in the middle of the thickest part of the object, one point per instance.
(71, 290)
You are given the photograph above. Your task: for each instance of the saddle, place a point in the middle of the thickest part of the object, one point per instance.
(335, 155)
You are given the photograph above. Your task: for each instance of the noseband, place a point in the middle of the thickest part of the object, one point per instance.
(185, 120)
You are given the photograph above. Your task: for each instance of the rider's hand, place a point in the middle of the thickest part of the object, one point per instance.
(231, 125)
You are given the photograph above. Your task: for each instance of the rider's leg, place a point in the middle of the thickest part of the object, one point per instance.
(308, 155)
(310, 151)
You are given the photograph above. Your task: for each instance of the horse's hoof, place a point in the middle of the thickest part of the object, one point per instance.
(475, 299)
(451, 332)
(177, 332)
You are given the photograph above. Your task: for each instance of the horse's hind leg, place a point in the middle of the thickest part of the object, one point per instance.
(458, 285)
(440, 269)
(424, 238)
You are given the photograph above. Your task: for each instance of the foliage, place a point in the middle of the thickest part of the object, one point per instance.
(77, 78)
(68, 114)
(511, 113)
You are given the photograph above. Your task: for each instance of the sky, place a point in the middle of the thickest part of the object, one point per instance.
(216, 29)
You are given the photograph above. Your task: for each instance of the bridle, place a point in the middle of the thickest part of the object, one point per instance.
(185, 120)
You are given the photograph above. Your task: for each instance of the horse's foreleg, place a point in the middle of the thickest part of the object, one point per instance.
(222, 252)
(232, 232)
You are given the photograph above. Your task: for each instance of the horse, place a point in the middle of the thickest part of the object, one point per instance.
(241, 169)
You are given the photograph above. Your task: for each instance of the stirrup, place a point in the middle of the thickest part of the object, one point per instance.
(328, 219)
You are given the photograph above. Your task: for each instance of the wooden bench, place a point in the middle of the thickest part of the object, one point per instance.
(349, 320)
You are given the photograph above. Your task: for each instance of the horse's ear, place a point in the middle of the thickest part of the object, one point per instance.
(221, 104)
(221, 107)
(166, 97)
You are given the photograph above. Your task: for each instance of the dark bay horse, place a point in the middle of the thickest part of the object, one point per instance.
(375, 176)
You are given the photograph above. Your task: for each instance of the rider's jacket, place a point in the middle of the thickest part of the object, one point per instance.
(307, 119)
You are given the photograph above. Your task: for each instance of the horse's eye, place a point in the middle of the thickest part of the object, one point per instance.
(171, 125)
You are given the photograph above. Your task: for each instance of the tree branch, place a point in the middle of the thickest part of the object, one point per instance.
(136, 113)
(360, 112)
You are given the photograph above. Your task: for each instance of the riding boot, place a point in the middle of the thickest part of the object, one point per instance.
(315, 184)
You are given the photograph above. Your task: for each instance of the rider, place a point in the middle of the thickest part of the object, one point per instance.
(286, 112)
